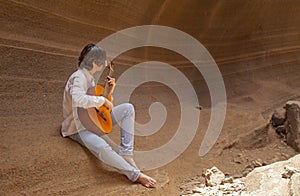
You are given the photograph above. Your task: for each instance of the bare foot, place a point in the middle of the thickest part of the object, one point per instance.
(146, 181)
(130, 160)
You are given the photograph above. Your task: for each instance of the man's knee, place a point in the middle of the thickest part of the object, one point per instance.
(130, 108)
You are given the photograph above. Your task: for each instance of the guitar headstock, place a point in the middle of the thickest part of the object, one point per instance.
(110, 65)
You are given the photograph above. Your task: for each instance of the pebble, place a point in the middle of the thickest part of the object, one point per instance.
(289, 171)
(257, 163)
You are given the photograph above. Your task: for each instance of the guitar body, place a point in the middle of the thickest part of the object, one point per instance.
(97, 120)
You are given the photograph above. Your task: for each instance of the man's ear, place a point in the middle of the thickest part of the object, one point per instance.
(94, 64)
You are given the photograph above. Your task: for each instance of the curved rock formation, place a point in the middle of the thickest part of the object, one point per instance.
(256, 45)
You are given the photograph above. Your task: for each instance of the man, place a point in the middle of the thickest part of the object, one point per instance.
(91, 60)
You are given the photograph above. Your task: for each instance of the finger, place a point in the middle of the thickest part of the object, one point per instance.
(111, 82)
(110, 78)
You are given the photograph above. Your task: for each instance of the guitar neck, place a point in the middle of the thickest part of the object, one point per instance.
(106, 87)
(105, 91)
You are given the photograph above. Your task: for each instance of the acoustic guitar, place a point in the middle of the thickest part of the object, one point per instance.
(98, 120)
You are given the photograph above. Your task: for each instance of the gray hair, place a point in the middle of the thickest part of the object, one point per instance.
(91, 53)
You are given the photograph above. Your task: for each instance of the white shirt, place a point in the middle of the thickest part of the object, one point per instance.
(75, 96)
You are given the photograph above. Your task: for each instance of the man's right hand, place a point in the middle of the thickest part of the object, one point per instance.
(108, 104)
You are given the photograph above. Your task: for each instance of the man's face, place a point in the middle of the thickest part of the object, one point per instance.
(99, 67)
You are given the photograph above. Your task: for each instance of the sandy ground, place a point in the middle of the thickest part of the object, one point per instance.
(36, 160)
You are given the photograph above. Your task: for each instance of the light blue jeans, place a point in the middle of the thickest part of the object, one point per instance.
(124, 115)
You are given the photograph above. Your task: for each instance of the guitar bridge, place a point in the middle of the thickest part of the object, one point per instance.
(100, 114)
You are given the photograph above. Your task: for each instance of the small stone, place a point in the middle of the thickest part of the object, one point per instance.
(284, 155)
(240, 159)
(276, 157)
(198, 190)
(257, 163)
(213, 176)
(249, 167)
(247, 170)
(281, 131)
(227, 192)
(278, 117)
(237, 176)
(237, 160)
(289, 171)
(227, 175)
(188, 192)
(228, 180)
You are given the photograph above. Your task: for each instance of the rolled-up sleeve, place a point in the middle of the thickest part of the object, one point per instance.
(78, 91)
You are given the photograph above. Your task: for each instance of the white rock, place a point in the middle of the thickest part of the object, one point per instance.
(214, 177)
(295, 185)
(198, 190)
(267, 180)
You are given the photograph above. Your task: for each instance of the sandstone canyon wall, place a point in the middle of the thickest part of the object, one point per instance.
(256, 45)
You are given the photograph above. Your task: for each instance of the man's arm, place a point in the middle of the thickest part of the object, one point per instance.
(79, 97)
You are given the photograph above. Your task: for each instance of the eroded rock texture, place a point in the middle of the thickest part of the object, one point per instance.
(293, 124)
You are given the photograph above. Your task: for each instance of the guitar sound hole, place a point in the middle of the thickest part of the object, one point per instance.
(100, 114)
